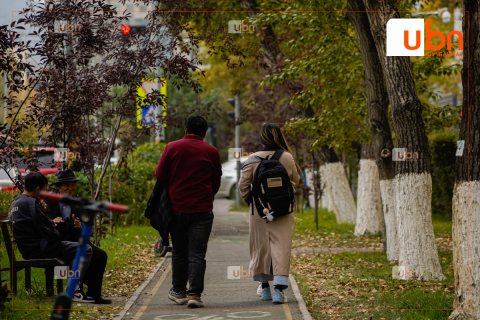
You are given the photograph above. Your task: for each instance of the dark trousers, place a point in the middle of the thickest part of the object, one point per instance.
(189, 233)
(93, 267)
(68, 251)
(94, 274)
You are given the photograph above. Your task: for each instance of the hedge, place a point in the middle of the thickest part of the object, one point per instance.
(442, 147)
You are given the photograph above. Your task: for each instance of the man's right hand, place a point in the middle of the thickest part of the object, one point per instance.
(58, 220)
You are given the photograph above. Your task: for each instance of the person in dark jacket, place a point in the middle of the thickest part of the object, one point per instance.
(67, 222)
(35, 232)
(192, 170)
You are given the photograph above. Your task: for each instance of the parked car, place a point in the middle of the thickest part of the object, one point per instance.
(229, 179)
(45, 157)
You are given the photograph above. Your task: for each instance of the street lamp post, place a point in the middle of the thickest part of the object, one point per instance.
(237, 144)
(235, 102)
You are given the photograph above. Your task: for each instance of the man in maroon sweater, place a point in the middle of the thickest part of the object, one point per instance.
(192, 169)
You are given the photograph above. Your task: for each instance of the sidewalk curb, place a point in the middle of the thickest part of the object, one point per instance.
(139, 290)
(298, 296)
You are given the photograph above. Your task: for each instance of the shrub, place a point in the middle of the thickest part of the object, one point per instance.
(6, 199)
(133, 188)
(133, 185)
(148, 152)
(442, 147)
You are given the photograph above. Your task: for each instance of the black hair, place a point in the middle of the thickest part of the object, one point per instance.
(34, 180)
(196, 125)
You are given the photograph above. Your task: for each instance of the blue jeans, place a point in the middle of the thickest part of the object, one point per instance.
(189, 233)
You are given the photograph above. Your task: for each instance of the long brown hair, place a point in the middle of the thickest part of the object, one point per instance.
(271, 134)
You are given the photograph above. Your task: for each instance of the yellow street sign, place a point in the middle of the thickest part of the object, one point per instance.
(146, 112)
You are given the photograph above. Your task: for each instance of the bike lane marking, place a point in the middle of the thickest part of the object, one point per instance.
(154, 291)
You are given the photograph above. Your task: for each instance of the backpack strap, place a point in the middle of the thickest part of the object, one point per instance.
(251, 160)
(277, 154)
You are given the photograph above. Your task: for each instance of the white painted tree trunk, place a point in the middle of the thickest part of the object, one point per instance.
(340, 193)
(416, 241)
(369, 204)
(466, 254)
(328, 197)
(387, 189)
(324, 198)
(309, 178)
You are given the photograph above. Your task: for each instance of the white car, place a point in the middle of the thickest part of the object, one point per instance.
(229, 179)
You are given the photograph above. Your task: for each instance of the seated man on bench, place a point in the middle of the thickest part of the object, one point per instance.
(35, 233)
(67, 223)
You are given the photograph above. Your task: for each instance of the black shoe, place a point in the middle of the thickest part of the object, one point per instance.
(102, 300)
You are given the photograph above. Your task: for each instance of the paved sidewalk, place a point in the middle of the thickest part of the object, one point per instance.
(224, 299)
(312, 251)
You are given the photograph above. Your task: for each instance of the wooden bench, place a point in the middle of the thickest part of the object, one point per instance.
(17, 265)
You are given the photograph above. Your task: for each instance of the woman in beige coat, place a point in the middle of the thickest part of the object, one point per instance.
(270, 243)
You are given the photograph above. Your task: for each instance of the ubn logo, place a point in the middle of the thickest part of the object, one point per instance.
(65, 27)
(64, 155)
(238, 154)
(64, 272)
(401, 272)
(412, 31)
(236, 273)
(237, 26)
(402, 154)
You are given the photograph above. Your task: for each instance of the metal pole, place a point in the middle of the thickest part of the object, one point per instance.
(160, 134)
(5, 102)
(110, 193)
(237, 145)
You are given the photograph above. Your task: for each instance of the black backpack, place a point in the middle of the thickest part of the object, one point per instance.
(272, 190)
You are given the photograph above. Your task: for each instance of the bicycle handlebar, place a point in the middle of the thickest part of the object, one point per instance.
(56, 197)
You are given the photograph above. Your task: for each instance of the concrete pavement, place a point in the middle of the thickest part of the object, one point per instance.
(225, 299)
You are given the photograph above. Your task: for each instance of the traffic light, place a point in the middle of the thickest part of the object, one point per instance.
(125, 29)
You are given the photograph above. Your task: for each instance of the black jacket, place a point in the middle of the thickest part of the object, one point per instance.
(159, 211)
(33, 231)
(66, 229)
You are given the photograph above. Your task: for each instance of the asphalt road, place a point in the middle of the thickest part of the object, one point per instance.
(225, 299)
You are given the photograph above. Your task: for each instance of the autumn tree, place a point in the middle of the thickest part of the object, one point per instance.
(413, 183)
(76, 96)
(373, 162)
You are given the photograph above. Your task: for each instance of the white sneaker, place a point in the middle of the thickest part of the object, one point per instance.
(259, 290)
(81, 297)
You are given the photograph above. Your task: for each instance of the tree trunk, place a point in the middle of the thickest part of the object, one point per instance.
(413, 182)
(466, 194)
(324, 198)
(337, 185)
(369, 204)
(377, 104)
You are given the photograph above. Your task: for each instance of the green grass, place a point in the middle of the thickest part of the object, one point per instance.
(130, 260)
(364, 280)
(243, 207)
(327, 223)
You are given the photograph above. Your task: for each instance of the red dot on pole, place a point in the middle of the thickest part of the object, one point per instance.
(125, 29)
(460, 114)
